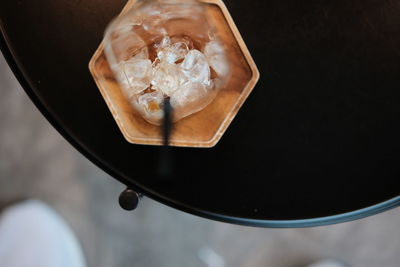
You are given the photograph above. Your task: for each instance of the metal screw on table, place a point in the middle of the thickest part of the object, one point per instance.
(129, 199)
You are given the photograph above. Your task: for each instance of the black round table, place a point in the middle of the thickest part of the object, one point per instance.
(317, 141)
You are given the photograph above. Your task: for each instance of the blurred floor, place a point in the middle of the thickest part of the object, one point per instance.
(36, 161)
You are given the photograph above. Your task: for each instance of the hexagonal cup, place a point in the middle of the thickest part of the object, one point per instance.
(204, 128)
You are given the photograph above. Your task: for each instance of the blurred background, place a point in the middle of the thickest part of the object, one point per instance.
(36, 162)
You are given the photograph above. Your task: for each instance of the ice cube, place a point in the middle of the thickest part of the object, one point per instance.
(126, 76)
(167, 56)
(165, 42)
(151, 102)
(150, 106)
(171, 52)
(187, 41)
(196, 68)
(167, 77)
(188, 92)
(137, 74)
(215, 54)
(125, 44)
(190, 98)
(138, 68)
(135, 87)
(142, 53)
(180, 49)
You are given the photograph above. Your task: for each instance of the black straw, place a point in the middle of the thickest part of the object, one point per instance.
(167, 123)
(165, 167)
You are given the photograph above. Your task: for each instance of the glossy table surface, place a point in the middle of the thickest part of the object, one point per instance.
(316, 142)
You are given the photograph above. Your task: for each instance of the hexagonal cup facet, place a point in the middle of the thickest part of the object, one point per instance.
(201, 129)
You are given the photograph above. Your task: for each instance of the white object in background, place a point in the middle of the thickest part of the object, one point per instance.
(210, 258)
(327, 263)
(33, 235)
